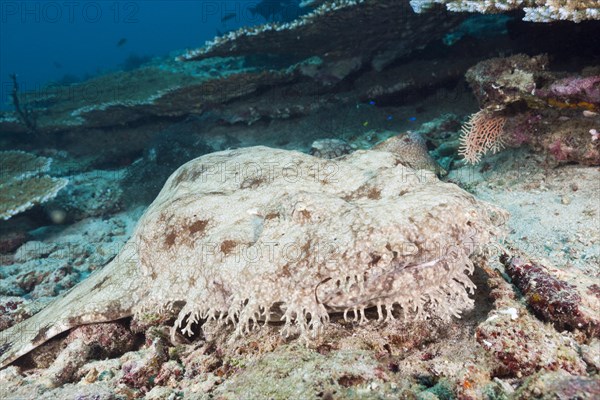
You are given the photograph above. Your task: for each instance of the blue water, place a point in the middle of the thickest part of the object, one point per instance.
(54, 41)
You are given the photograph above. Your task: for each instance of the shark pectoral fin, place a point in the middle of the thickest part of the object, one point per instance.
(20, 339)
(104, 296)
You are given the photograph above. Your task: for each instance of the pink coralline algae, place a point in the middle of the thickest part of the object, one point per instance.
(574, 88)
(552, 299)
(525, 129)
(560, 150)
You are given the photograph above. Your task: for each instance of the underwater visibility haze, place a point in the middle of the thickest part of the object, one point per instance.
(300, 199)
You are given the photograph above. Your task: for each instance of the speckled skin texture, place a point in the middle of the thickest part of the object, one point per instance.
(330, 148)
(260, 234)
(412, 150)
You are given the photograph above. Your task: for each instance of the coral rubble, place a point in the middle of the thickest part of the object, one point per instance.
(561, 385)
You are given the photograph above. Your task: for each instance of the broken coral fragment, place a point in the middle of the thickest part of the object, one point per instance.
(569, 300)
(261, 234)
(21, 187)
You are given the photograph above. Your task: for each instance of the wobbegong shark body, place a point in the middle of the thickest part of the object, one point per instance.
(259, 234)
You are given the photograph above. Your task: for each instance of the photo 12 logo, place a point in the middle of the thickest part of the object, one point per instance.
(250, 12)
(53, 12)
(249, 174)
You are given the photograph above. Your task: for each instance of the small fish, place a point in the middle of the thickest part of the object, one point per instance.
(372, 102)
(121, 42)
(57, 65)
(389, 117)
(366, 123)
(227, 17)
(412, 119)
(225, 32)
(268, 9)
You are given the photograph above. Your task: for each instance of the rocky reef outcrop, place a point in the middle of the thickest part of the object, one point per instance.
(524, 102)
